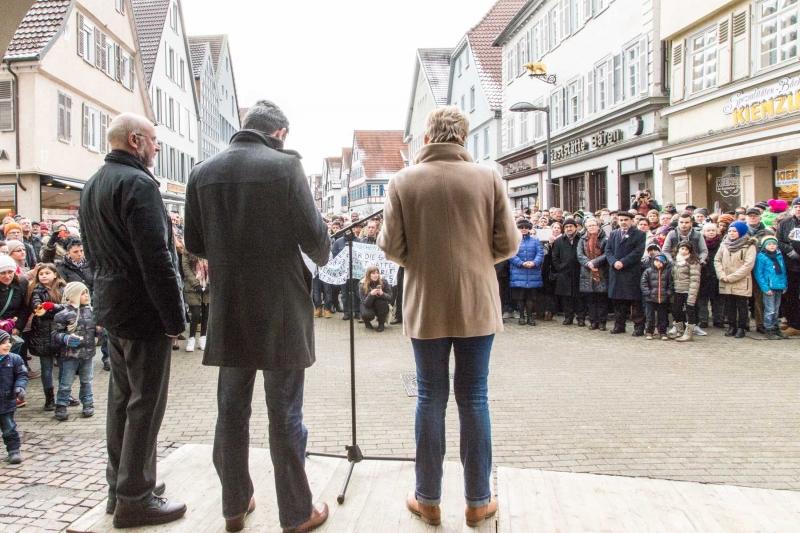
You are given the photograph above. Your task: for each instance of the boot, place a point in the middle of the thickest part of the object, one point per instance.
(88, 410)
(381, 327)
(679, 330)
(740, 334)
(601, 326)
(594, 326)
(14, 457)
(773, 334)
(521, 318)
(548, 316)
(581, 322)
(49, 400)
(688, 334)
(476, 516)
(237, 523)
(61, 412)
(430, 514)
(327, 314)
(318, 312)
(368, 324)
(731, 331)
(531, 320)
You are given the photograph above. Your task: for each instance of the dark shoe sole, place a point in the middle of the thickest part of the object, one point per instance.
(133, 521)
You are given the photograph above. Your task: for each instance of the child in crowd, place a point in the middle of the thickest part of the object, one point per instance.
(43, 298)
(657, 289)
(686, 271)
(770, 274)
(75, 332)
(13, 380)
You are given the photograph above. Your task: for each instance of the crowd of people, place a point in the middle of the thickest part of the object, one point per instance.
(704, 269)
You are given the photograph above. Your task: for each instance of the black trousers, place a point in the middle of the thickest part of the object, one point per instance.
(791, 300)
(379, 308)
(596, 306)
(572, 306)
(398, 294)
(737, 310)
(681, 310)
(657, 315)
(629, 308)
(137, 399)
(199, 316)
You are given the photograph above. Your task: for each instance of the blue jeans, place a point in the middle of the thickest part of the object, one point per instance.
(68, 368)
(9, 428)
(322, 294)
(472, 396)
(772, 306)
(356, 308)
(46, 364)
(287, 441)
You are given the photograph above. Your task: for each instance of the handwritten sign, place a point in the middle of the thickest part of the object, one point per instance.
(338, 268)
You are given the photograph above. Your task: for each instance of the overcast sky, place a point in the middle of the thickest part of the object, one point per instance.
(333, 66)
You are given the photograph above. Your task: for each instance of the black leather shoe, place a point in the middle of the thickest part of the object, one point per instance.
(601, 326)
(594, 326)
(346, 316)
(703, 325)
(368, 324)
(581, 322)
(761, 330)
(719, 325)
(731, 331)
(156, 511)
(111, 504)
(617, 331)
(521, 320)
(637, 333)
(567, 322)
(739, 334)
(106, 366)
(531, 320)
(380, 327)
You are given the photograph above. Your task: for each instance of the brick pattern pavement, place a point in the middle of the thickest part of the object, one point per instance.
(718, 410)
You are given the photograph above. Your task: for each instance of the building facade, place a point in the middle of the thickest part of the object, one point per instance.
(167, 65)
(476, 82)
(376, 157)
(71, 67)
(334, 200)
(428, 91)
(735, 102)
(604, 105)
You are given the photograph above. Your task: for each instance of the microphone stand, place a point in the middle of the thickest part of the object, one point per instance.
(354, 455)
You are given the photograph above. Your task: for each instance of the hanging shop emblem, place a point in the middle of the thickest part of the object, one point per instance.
(516, 167)
(786, 179)
(764, 103)
(729, 184)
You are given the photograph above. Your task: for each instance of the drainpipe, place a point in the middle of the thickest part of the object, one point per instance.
(16, 120)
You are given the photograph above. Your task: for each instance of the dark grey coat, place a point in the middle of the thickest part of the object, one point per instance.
(565, 263)
(587, 283)
(625, 284)
(261, 314)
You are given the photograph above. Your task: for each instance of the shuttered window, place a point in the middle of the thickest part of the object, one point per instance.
(7, 105)
(703, 59)
(64, 128)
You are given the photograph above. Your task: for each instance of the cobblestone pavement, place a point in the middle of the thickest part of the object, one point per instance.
(717, 410)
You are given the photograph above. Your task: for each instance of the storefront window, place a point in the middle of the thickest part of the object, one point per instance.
(576, 194)
(59, 203)
(597, 190)
(8, 197)
(724, 185)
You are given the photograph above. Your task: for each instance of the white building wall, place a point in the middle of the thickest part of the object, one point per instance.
(423, 105)
(228, 105)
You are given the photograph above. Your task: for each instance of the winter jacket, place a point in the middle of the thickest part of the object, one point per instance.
(757, 232)
(70, 272)
(566, 265)
(789, 242)
(16, 304)
(41, 340)
(36, 243)
(503, 269)
(656, 284)
(12, 375)
(129, 243)
(52, 252)
(766, 276)
(190, 285)
(709, 284)
(644, 207)
(695, 235)
(530, 249)
(86, 329)
(587, 283)
(628, 249)
(686, 280)
(368, 300)
(737, 267)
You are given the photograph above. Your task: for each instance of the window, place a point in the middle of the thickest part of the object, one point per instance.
(93, 137)
(618, 91)
(510, 132)
(110, 63)
(460, 66)
(64, 127)
(576, 15)
(463, 105)
(539, 118)
(601, 79)
(575, 101)
(157, 101)
(777, 31)
(601, 5)
(179, 119)
(535, 44)
(556, 109)
(6, 105)
(522, 55)
(171, 63)
(120, 6)
(523, 128)
(486, 142)
(566, 11)
(173, 17)
(510, 69)
(466, 57)
(554, 39)
(704, 60)
(227, 64)
(472, 99)
(182, 74)
(632, 71)
(170, 122)
(86, 44)
(126, 76)
(475, 147)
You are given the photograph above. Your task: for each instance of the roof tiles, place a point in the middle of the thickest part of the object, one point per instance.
(436, 65)
(38, 27)
(380, 152)
(197, 51)
(214, 41)
(150, 17)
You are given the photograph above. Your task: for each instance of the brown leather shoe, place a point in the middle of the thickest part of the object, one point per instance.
(548, 316)
(791, 332)
(237, 523)
(318, 517)
(318, 312)
(429, 514)
(476, 516)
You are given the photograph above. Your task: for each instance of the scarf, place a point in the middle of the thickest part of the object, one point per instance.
(593, 251)
(774, 257)
(713, 242)
(68, 260)
(201, 272)
(739, 244)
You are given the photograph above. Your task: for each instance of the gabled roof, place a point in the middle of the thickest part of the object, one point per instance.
(434, 63)
(150, 17)
(334, 167)
(215, 42)
(39, 27)
(380, 152)
(347, 156)
(488, 59)
(197, 52)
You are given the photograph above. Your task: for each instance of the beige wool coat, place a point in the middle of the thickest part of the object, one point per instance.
(447, 221)
(737, 267)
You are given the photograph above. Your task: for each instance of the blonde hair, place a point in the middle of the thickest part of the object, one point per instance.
(72, 295)
(366, 280)
(447, 125)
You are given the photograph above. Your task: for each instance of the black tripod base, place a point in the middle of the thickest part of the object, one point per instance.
(354, 456)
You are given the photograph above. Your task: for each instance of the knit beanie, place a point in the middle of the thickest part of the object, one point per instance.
(778, 205)
(6, 264)
(13, 245)
(570, 221)
(725, 219)
(72, 293)
(10, 226)
(762, 205)
(4, 336)
(766, 240)
(796, 201)
(741, 228)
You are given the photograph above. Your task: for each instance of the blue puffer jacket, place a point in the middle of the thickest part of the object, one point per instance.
(530, 249)
(12, 375)
(766, 276)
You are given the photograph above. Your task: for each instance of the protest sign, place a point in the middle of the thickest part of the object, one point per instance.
(337, 269)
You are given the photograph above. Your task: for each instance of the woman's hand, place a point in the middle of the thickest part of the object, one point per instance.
(374, 292)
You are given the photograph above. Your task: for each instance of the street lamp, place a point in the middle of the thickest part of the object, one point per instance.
(525, 107)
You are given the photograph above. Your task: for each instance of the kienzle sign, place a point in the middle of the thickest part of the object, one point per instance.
(763, 103)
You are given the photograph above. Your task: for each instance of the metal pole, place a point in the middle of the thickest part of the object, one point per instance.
(353, 304)
(550, 195)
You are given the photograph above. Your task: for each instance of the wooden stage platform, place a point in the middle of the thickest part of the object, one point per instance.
(531, 501)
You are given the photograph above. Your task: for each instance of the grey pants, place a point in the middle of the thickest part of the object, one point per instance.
(137, 399)
(717, 309)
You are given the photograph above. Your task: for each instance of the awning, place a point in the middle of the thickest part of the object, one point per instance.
(72, 184)
(735, 153)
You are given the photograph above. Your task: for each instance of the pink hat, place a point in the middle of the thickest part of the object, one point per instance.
(778, 206)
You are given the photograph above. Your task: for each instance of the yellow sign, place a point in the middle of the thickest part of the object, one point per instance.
(174, 187)
(758, 111)
(786, 182)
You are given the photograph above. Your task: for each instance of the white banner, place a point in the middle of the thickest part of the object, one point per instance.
(337, 269)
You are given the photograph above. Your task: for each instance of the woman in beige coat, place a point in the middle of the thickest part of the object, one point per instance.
(447, 222)
(733, 263)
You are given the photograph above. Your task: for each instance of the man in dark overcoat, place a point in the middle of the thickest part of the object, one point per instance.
(566, 264)
(138, 299)
(624, 254)
(261, 314)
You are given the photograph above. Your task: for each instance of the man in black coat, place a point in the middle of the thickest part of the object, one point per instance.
(624, 254)
(138, 299)
(789, 243)
(261, 315)
(568, 268)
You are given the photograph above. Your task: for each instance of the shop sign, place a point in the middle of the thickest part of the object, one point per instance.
(578, 146)
(606, 138)
(763, 103)
(516, 167)
(174, 187)
(786, 179)
(601, 139)
(729, 184)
